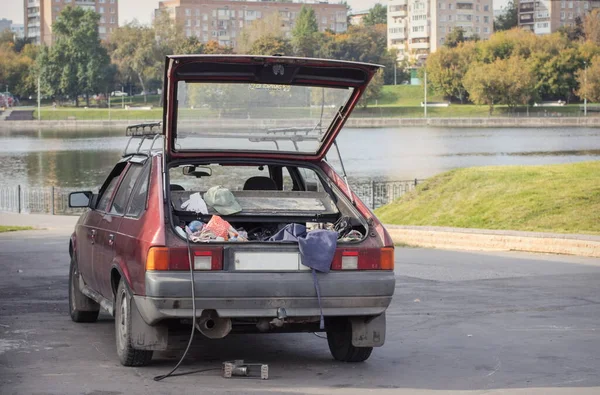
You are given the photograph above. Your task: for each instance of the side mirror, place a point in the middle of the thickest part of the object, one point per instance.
(80, 199)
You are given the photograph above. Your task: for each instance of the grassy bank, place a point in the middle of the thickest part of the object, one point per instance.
(396, 101)
(381, 111)
(13, 228)
(552, 198)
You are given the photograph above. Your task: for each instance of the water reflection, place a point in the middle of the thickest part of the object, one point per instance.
(83, 158)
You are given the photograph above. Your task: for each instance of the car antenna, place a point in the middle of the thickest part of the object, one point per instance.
(344, 172)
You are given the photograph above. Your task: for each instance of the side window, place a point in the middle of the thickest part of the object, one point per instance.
(288, 182)
(107, 190)
(122, 197)
(312, 181)
(137, 205)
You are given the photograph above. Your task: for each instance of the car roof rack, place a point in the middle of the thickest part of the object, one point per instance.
(142, 131)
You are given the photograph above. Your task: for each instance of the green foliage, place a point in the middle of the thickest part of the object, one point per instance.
(271, 45)
(17, 69)
(589, 80)
(4, 228)
(591, 26)
(502, 69)
(573, 32)
(76, 64)
(455, 37)
(136, 53)
(373, 91)
(377, 15)
(362, 44)
(7, 37)
(508, 19)
(446, 69)
(528, 198)
(305, 33)
(505, 81)
(269, 26)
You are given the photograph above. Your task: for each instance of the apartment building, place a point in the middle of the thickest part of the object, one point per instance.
(418, 27)
(223, 20)
(41, 14)
(356, 18)
(547, 16)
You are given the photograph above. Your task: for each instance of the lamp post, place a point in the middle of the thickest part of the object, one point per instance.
(425, 94)
(395, 72)
(586, 87)
(39, 99)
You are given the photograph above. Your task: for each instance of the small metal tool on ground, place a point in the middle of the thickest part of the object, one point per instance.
(238, 368)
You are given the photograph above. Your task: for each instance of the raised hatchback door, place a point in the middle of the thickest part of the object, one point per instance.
(258, 106)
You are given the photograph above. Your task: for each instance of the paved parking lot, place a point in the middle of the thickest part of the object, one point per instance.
(459, 323)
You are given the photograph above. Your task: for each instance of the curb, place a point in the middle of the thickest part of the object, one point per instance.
(496, 240)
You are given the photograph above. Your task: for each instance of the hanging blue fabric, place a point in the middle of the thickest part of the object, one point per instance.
(317, 249)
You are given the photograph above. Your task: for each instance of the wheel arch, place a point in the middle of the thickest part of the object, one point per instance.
(116, 274)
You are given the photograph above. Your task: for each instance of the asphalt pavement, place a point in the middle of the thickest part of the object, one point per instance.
(460, 322)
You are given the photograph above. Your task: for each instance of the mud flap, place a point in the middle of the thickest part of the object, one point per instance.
(368, 331)
(144, 336)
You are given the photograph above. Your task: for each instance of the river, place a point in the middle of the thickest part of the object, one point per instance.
(83, 158)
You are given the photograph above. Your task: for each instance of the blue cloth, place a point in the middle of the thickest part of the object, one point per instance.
(317, 249)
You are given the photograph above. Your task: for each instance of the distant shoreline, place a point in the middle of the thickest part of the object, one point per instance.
(491, 122)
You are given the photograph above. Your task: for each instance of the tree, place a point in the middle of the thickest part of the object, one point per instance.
(455, 37)
(505, 81)
(7, 37)
(76, 61)
(362, 44)
(271, 45)
(589, 81)
(373, 91)
(171, 38)
(507, 43)
(446, 69)
(573, 32)
(377, 16)
(213, 48)
(135, 51)
(555, 65)
(269, 26)
(305, 32)
(508, 18)
(15, 69)
(591, 26)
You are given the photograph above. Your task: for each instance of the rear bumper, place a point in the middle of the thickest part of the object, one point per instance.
(237, 295)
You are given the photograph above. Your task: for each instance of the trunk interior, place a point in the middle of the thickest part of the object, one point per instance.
(267, 198)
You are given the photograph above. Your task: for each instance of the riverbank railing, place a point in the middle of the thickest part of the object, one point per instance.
(55, 200)
(37, 200)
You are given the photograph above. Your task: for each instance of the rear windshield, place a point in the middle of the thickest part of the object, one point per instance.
(255, 117)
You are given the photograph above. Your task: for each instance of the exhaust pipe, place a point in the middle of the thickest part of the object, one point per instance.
(213, 326)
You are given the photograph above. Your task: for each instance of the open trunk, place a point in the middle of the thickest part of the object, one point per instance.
(302, 196)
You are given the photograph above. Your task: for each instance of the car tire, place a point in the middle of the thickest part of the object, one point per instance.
(81, 308)
(128, 355)
(339, 339)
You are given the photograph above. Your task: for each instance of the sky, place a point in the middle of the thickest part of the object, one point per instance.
(142, 9)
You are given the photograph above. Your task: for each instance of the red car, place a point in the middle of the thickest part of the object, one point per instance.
(228, 211)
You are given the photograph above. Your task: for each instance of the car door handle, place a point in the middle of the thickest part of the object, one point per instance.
(93, 236)
(111, 239)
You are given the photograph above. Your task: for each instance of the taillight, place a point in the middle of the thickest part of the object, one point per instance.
(364, 259)
(163, 258)
(157, 259)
